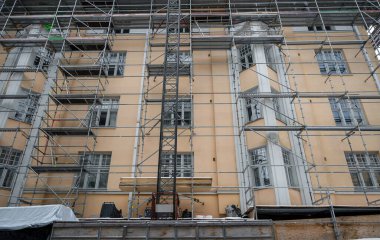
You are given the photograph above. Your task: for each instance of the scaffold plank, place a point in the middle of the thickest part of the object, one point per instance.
(78, 99)
(67, 131)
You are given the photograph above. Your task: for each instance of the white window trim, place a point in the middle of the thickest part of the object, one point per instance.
(8, 168)
(368, 167)
(290, 168)
(25, 109)
(255, 104)
(181, 168)
(111, 106)
(247, 55)
(325, 62)
(354, 102)
(117, 63)
(184, 58)
(183, 105)
(263, 169)
(269, 57)
(98, 169)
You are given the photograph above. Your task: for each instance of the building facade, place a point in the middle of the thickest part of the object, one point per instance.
(269, 113)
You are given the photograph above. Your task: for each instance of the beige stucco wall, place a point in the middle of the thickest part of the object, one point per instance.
(213, 143)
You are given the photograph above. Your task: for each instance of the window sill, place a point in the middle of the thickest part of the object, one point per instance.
(252, 121)
(117, 76)
(322, 32)
(352, 125)
(18, 120)
(92, 189)
(181, 127)
(358, 191)
(337, 75)
(5, 188)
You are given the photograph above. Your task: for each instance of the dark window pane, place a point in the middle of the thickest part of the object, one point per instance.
(102, 119)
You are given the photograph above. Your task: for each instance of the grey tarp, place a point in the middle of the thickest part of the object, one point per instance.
(15, 218)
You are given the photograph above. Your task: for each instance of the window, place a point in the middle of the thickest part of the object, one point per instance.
(254, 107)
(290, 168)
(181, 29)
(246, 56)
(269, 57)
(341, 111)
(25, 108)
(184, 165)
(43, 59)
(97, 166)
(121, 31)
(319, 28)
(9, 161)
(105, 114)
(183, 113)
(331, 62)
(364, 169)
(116, 62)
(184, 57)
(260, 167)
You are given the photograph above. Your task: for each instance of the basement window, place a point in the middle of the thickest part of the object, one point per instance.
(341, 111)
(184, 165)
(26, 108)
(9, 162)
(183, 113)
(105, 114)
(364, 170)
(97, 166)
(331, 62)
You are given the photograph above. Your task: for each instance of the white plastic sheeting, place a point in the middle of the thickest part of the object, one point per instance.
(15, 218)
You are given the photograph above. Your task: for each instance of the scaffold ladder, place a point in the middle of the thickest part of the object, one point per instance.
(166, 196)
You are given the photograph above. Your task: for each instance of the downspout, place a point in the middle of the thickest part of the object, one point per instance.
(138, 126)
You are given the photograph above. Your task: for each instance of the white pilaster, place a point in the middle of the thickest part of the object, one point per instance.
(296, 143)
(276, 160)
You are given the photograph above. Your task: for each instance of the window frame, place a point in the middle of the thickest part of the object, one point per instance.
(290, 168)
(247, 55)
(185, 105)
(184, 58)
(25, 109)
(338, 109)
(323, 28)
(269, 57)
(110, 109)
(97, 169)
(324, 62)
(255, 105)
(183, 170)
(116, 63)
(357, 168)
(263, 169)
(9, 165)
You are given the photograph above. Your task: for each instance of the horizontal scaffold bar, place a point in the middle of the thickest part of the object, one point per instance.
(343, 95)
(312, 128)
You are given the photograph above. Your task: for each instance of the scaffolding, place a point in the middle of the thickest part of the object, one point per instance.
(74, 39)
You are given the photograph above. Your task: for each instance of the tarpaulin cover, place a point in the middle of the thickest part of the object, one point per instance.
(15, 218)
